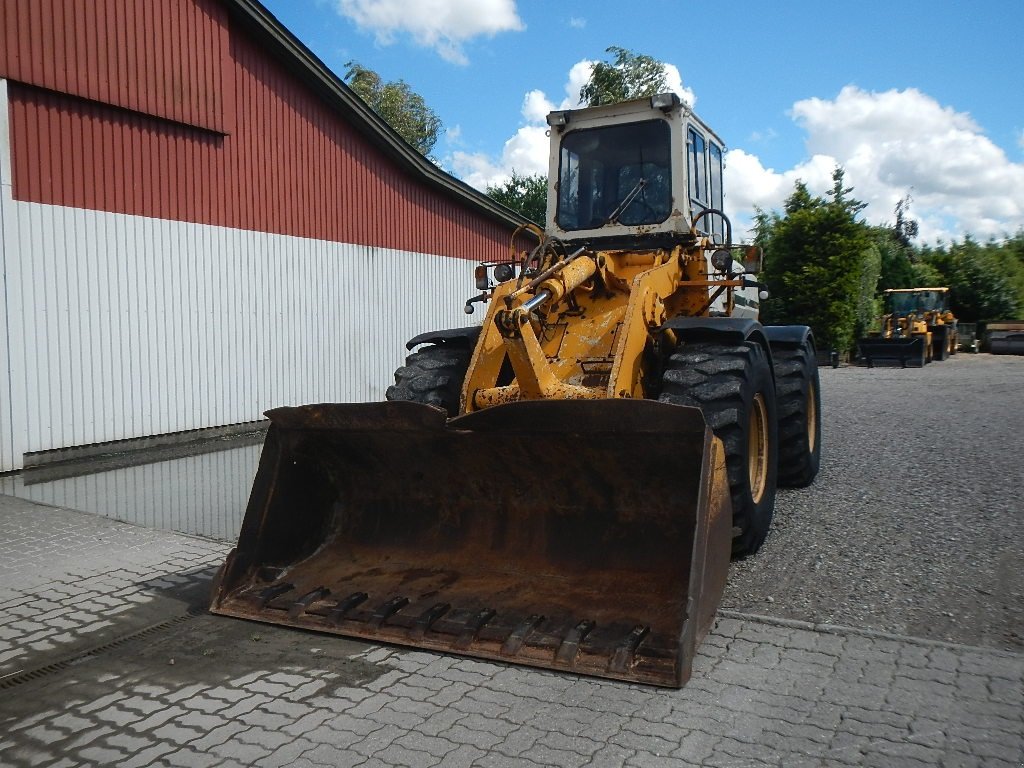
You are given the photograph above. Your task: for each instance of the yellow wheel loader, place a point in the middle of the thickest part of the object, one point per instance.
(917, 328)
(562, 485)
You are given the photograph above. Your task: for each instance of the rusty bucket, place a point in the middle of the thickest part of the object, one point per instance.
(586, 536)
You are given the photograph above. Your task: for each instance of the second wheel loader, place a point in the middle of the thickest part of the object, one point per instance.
(562, 485)
(916, 329)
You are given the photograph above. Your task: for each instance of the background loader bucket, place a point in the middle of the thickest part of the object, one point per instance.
(907, 351)
(586, 536)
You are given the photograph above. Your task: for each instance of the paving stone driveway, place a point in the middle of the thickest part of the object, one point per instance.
(105, 661)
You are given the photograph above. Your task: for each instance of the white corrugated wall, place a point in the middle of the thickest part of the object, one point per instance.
(8, 460)
(122, 326)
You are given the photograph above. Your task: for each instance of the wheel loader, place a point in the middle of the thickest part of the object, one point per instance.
(563, 484)
(916, 329)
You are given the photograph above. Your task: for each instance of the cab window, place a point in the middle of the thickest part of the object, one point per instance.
(697, 166)
(616, 173)
(715, 179)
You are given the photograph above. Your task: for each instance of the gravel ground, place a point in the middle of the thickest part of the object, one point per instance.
(915, 524)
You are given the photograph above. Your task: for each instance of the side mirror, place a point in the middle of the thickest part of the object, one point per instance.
(752, 260)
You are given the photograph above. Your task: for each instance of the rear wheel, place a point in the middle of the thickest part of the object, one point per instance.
(732, 385)
(433, 375)
(799, 404)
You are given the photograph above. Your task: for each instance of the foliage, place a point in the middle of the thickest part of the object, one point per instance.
(900, 264)
(821, 264)
(897, 267)
(400, 107)
(629, 76)
(868, 308)
(905, 229)
(827, 269)
(527, 195)
(986, 282)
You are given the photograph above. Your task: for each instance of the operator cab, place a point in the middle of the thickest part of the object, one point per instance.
(905, 301)
(642, 168)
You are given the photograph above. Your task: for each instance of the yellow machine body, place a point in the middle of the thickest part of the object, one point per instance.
(918, 327)
(557, 515)
(589, 340)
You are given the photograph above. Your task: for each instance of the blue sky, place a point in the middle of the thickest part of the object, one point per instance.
(917, 96)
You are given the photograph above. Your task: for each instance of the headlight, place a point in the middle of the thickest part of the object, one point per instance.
(721, 260)
(504, 272)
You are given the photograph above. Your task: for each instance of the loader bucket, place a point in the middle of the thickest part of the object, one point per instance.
(907, 351)
(585, 536)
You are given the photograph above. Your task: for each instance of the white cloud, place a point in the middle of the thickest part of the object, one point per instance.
(579, 74)
(889, 144)
(526, 153)
(443, 25)
(675, 84)
(536, 107)
(577, 22)
(749, 185)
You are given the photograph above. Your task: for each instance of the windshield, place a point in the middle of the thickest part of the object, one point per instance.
(615, 173)
(916, 301)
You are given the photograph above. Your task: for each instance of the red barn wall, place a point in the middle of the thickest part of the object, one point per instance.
(93, 138)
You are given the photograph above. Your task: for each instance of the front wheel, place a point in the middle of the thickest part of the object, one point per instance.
(732, 385)
(433, 375)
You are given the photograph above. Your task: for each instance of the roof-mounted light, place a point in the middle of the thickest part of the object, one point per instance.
(666, 102)
(558, 119)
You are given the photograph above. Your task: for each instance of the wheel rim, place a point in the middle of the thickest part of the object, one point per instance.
(757, 447)
(812, 417)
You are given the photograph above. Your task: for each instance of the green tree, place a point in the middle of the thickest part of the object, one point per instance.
(898, 268)
(869, 307)
(1013, 257)
(905, 229)
(527, 195)
(400, 106)
(821, 265)
(629, 76)
(986, 282)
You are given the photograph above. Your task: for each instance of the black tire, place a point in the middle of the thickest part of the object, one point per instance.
(725, 381)
(923, 357)
(940, 342)
(798, 398)
(433, 375)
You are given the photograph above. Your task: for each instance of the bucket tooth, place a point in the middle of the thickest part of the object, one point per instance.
(300, 606)
(272, 592)
(338, 612)
(427, 618)
(472, 628)
(571, 644)
(389, 609)
(626, 653)
(515, 641)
